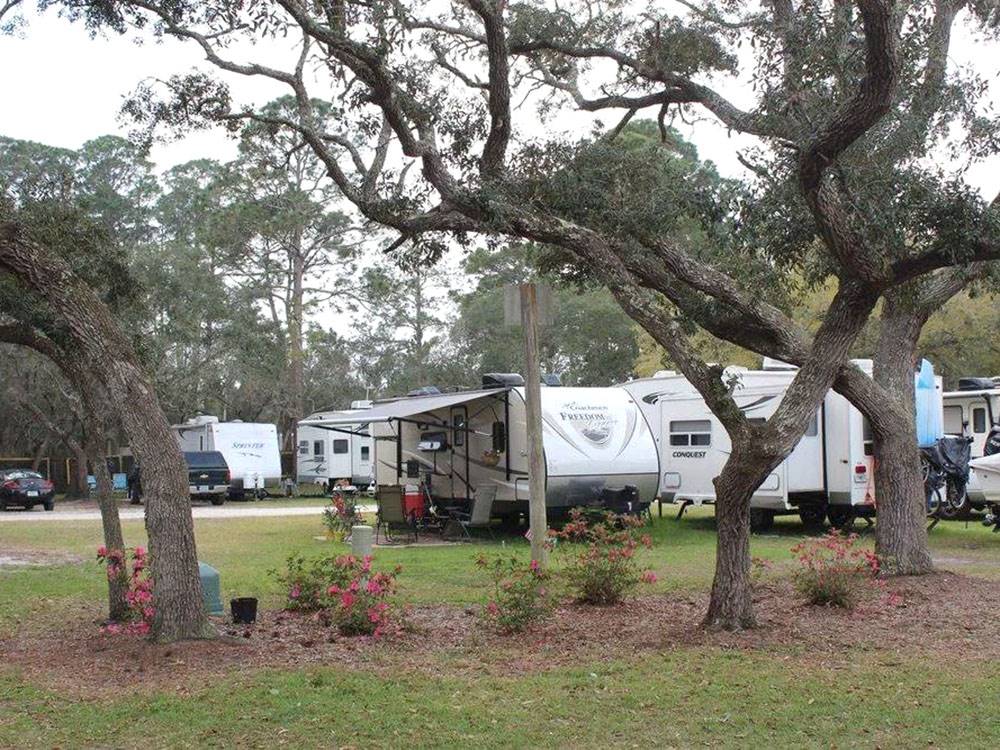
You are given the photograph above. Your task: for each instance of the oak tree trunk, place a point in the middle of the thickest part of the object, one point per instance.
(901, 529)
(730, 605)
(756, 451)
(107, 353)
(110, 522)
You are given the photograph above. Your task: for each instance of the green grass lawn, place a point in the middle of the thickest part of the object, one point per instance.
(682, 697)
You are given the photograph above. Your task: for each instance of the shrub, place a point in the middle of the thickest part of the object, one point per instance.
(341, 515)
(306, 581)
(361, 606)
(606, 571)
(344, 589)
(139, 592)
(521, 594)
(832, 570)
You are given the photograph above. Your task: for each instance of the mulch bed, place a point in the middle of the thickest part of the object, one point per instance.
(935, 615)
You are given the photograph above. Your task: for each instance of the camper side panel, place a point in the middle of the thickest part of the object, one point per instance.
(251, 451)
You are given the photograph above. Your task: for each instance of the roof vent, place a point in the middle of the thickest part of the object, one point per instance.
(361, 404)
(502, 380)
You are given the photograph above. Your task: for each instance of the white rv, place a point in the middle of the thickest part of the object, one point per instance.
(250, 449)
(329, 452)
(829, 473)
(452, 443)
(972, 410)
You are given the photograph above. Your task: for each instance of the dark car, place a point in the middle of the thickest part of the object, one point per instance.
(208, 476)
(26, 488)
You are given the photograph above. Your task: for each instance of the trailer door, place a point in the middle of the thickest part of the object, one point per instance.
(805, 462)
(363, 457)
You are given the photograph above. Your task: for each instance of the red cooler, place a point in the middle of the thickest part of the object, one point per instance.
(413, 501)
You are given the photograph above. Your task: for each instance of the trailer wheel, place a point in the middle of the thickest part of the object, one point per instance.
(761, 520)
(813, 516)
(842, 516)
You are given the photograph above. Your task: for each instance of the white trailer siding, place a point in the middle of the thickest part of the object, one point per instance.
(973, 411)
(830, 463)
(341, 453)
(250, 448)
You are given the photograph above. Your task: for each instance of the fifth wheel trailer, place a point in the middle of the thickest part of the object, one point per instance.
(452, 443)
(828, 473)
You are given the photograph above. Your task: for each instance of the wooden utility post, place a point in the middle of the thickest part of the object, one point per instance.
(537, 522)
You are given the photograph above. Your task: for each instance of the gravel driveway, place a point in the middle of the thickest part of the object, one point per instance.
(198, 511)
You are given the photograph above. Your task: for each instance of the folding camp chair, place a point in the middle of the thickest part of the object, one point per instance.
(390, 515)
(478, 517)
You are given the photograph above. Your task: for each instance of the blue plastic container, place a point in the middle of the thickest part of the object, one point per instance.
(927, 400)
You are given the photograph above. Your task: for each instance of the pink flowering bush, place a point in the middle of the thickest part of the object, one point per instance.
(360, 603)
(606, 570)
(832, 570)
(344, 591)
(139, 591)
(521, 594)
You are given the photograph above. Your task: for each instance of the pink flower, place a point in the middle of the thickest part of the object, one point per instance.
(295, 592)
(648, 577)
(347, 600)
(534, 566)
(373, 587)
(140, 552)
(102, 551)
(492, 608)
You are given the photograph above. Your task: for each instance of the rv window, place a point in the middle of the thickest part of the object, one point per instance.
(979, 419)
(340, 446)
(365, 452)
(499, 437)
(304, 447)
(317, 447)
(691, 432)
(813, 429)
(458, 422)
(867, 437)
(953, 420)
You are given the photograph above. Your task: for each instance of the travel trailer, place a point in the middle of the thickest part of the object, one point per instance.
(828, 474)
(973, 409)
(249, 448)
(595, 439)
(331, 453)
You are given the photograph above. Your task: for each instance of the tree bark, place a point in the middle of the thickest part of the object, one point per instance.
(730, 605)
(901, 530)
(106, 352)
(39, 455)
(111, 523)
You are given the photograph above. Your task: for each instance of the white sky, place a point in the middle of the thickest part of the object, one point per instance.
(61, 87)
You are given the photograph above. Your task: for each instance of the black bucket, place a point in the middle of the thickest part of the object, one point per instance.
(244, 610)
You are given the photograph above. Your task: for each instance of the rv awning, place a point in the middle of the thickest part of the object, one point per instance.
(401, 408)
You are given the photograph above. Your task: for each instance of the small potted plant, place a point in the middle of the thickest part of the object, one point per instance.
(340, 516)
